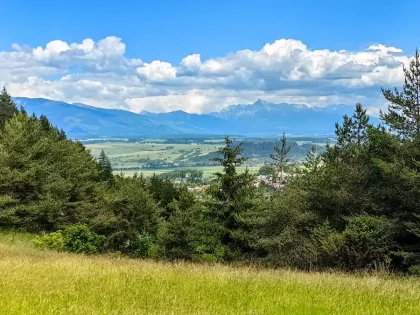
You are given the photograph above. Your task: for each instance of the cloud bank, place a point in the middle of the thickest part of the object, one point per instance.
(100, 74)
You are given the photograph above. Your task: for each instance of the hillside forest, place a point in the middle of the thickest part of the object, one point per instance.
(354, 206)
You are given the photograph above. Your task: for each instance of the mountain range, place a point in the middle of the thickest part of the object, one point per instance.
(258, 119)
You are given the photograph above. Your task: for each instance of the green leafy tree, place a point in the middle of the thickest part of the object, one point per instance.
(7, 107)
(403, 114)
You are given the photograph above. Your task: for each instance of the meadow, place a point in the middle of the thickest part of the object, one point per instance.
(208, 171)
(128, 154)
(125, 155)
(36, 281)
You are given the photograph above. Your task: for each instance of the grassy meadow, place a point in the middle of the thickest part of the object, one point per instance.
(128, 154)
(207, 170)
(33, 281)
(125, 155)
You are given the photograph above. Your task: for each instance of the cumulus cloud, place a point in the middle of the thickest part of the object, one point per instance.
(100, 74)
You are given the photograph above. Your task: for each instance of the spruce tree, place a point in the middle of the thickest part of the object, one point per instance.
(312, 160)
(403, 116)
(233, 198)
(7, 107)
(105, 168)
(280, 158)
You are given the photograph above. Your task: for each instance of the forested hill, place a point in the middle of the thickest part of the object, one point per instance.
(258, 119)
(353, 207)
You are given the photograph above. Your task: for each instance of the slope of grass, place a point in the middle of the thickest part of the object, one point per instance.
(43, 282)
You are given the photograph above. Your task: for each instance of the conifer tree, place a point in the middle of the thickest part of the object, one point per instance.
(361, 125)
(105, 168)
(232, 198)
(280, 158)
(403, 114)
(312, 160)
(353, 130)
(7, 107)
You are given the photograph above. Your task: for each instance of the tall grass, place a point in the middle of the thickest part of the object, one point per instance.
(43, 282)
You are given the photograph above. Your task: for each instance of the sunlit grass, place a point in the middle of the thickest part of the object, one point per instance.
(43, 282)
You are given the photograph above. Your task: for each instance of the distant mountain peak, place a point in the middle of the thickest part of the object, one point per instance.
(261, 102)
(260, 118)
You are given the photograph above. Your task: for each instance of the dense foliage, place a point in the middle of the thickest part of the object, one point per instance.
(353, 206)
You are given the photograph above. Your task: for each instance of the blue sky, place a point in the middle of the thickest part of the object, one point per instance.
(168, 31)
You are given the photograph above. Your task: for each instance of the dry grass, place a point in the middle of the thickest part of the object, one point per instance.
(42, 282)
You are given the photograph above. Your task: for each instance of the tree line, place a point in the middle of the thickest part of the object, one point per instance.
(354, 206)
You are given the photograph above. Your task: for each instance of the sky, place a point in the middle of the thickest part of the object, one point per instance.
(200, 56)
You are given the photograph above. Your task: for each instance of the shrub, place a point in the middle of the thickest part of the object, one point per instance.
(415, 270)
(144, 245)
(80, 239)
(368, 241)
(326, 245)
(53, 241)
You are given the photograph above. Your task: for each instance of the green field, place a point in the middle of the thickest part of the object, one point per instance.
(43, 282)
(128, 155)
(207, 170)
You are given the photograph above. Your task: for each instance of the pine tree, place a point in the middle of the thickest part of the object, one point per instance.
(280, 158)
(353, 131)
(7, 107)
(403, 115)
(361, 125)
(105, 168)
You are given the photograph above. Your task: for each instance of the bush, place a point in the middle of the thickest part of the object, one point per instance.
(327, 246)
(54, 241)
(144, 246)
(415, 270)
(80, 239)
(368, 241)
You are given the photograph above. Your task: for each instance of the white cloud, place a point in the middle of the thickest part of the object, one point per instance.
(99, 73)
(157, 71)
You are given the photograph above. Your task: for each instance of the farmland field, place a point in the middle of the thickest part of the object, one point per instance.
(127, 157)
(159, 155)
(208, 171)
(43, 282)
(126, 154)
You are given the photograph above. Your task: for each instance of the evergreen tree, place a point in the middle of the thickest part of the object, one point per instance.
(47, 182)
(105, 168)
(312, 160)
(280, 158)
(188, 234)
(403, 115)
(233, 200)
(7, 107)
(164, 192)
(129, 212)
(361, 125)
(353, 130)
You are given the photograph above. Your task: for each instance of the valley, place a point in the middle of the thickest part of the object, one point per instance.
(149, 156)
